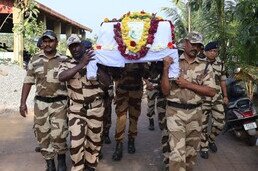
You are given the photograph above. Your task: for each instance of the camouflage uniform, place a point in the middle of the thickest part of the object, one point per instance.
(213, 107)
(184, 115)
(107, 121)
(106, 81)
(129, 91)
(85, 116)
(156, 94)
(155, 72)
(50, 118)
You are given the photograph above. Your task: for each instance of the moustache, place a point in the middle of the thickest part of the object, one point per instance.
(194, 51)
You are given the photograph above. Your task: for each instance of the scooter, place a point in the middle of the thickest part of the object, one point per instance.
(241, 116)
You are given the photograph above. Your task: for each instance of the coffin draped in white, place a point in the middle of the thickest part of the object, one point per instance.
(109, 55)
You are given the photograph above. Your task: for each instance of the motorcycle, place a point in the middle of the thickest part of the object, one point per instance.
(241, 116)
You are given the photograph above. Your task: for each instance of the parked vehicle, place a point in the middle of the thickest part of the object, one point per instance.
(241, 116)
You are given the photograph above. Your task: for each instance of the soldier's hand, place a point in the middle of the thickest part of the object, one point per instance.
(182, 83)
(23, 110)
(149, 86)
(225, 100)
(87, 57)
(167, 61)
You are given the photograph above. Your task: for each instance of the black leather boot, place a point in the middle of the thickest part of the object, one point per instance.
(151, 126)
(61, 162)
(118, 153)
(106, 138)
(51, 165)
(131, 147)
(204, 154)
(213, 147)
(37, 149)
(100, 155)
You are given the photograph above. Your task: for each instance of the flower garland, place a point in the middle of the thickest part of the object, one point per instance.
(129, 48)
(171, 45)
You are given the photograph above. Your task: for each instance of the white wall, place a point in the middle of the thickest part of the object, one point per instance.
(5, 55)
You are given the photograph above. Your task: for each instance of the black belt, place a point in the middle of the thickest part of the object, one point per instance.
(183, 105)
(51, 99)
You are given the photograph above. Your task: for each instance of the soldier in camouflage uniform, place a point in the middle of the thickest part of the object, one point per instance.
(213, 107)
(155, 96)
(108, 97)
(129, 91)
(107, 87)
(184, 98)
(85, 114)
(50, 109)
(154, 93)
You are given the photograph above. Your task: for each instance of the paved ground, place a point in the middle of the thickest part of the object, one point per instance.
(17, 145)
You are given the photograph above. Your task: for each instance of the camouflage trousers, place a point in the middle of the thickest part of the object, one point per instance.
(184, 129)
(156, 99)
(50, 127)
(107, 121)
(127, 101)
(85, 127)
(216, 112)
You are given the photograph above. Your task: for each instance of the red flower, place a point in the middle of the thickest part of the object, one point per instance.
(98, 47)
(133, 43)
(121, 48)
(144, 50)
(170, 45)
(150, 39)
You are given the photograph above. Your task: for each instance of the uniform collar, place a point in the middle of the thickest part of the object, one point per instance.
(217, 59)
(182, 57)
(42, 54)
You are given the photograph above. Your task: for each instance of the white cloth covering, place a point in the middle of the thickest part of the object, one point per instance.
(109, 55)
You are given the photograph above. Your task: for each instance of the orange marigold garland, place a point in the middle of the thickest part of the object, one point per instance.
(129, 48)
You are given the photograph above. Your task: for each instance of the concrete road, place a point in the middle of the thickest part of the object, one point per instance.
(17, 145)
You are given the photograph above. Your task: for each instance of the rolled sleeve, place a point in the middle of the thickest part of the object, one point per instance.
(63, 66)
(30, 77)
(209, 78)
(223, 78)
(223, 74)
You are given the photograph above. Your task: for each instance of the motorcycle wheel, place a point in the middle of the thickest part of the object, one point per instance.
(251, 140)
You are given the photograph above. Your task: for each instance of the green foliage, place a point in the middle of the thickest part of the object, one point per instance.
(30, 28)
(62, 48)
(233, 22)
(178, 14)
(6, 38)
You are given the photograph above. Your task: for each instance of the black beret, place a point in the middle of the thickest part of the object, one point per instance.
(211, 45)
(87, 44)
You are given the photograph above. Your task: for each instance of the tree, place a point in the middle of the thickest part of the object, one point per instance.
(232, 22)
(31, 28)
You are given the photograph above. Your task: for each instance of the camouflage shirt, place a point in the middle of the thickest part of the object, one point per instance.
(155, 72)
(80, 90)
(219, 72)
(193, 72)
(43, 71)
(131, 77)
(219, 75)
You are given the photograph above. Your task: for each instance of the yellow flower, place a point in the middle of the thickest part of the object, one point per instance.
(136, 17)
